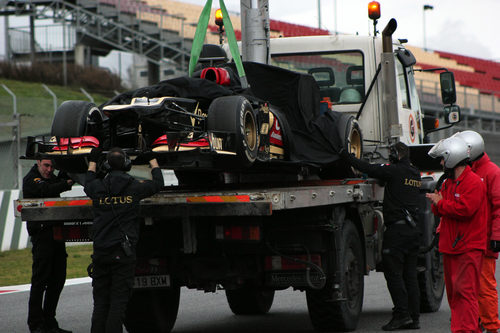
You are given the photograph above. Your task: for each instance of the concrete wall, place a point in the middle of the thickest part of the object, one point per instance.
(13, 234)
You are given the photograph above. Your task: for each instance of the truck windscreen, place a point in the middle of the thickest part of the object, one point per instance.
(340, 75)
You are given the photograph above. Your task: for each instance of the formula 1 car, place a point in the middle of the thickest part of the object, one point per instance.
(207, 123)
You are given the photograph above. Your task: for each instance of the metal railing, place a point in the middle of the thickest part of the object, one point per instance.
(114, 33)
(13, 149)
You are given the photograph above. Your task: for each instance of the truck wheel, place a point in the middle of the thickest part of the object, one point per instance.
(430, 280)
(152, 311)
(235, 115)
(250, 300)
(341, 315)
(76, 118)
(431, 283)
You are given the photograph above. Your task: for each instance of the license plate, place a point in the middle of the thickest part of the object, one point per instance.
(152, 281)
(292, 279)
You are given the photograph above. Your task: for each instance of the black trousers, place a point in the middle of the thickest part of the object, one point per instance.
(47, 279)
(399, 255)
(112, 281)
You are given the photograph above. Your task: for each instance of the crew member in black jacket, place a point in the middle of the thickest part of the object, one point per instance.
(115, 200)
(401, 237)
(49, 255)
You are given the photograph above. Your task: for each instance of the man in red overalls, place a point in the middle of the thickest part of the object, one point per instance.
(462, 206)
(490, 174)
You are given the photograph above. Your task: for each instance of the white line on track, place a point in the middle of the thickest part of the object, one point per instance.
(26, 287)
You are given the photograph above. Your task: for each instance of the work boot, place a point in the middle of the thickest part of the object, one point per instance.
(397, 323)
(57, 330)
(414, 325)
(37, 330)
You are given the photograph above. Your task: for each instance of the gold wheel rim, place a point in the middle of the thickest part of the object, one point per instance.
(250, 131)
(355, 142)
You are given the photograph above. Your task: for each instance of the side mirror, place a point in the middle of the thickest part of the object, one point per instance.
(448, 91)
(452, 114)
(406, 57)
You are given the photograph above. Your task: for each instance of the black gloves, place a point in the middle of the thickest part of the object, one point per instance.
(148, 155)
(495, 245)
(95, 154)
(63, 175)
(344, 154)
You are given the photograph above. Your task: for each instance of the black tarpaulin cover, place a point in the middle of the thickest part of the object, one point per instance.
(314, 137)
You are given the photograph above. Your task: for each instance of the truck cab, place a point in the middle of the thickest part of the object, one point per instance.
(344, 67)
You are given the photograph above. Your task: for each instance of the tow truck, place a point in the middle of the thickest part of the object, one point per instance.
(255, 234)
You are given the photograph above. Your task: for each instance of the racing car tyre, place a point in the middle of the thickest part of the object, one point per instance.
(235, 115)
(350, 135)
(152, 310)
(250, 300)
(75, 119)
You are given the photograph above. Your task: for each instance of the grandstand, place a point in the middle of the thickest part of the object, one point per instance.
(478, 80)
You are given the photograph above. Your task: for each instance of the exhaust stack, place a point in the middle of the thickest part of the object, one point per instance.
(392, 127)
(387, 35)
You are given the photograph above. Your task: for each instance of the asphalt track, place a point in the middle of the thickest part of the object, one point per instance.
(209, 312)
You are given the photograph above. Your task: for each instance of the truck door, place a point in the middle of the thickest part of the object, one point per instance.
(409, 106)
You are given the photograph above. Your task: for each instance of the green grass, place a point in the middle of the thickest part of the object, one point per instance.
(36, 105)
(15, 266)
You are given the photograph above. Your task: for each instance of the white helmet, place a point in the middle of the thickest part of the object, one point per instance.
(452, 150)
(475, 142)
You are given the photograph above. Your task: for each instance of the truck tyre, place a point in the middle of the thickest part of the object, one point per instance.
(76, 118)
(250, 300)
(152, 311)
(235, 115)
(341, 315)
(430, 279)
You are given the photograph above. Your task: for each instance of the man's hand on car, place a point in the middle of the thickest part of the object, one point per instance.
(64, 176)
(95, 154)
(344, 154)
(148, 155)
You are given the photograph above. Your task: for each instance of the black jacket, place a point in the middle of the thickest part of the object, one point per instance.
(35, 186)
(402, 186)
(115, 200)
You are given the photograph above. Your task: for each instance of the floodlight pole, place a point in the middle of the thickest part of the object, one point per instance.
(319, 14)
(426, 7)
(255, 30)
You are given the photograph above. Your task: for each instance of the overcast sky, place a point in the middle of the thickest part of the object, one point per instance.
(469, 27)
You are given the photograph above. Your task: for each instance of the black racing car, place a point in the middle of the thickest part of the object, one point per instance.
(207, 124)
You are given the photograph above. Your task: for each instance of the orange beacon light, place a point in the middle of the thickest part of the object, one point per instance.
(374, 10)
